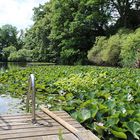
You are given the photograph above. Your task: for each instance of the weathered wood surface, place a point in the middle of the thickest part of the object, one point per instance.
(19, 127)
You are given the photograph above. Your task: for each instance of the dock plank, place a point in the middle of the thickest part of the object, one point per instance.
(20, 127)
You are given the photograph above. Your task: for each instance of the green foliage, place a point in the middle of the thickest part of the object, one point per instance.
(130, 52)
(105, 100)
(20, 56)
(94, 55)
(120, 49)
(36, 38)
(11, 41)
(106, 51)
(7, 51)
(63, 29)
(112, 52)
(69, 56)
(8, 35)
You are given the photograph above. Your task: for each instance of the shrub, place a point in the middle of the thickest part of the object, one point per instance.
(106, 51)
(110, 55)
(122, 49)
(95, 54)
(21, 55)
(130, 52)
(7, 51)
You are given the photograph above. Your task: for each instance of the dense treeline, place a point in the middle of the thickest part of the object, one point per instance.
(65, 31)
(11, 44)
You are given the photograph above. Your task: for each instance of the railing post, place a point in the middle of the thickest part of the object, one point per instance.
(28, 95)
(31, 94)
(33, 98)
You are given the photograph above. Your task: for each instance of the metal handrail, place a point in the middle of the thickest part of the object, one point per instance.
(31, 95)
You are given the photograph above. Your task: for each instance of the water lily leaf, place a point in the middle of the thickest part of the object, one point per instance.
(61, 98)
(83, 115)
(102, 107)
(134, 128)
(87, 103)
(99, 128)
(117, 134)
(69, 108)
(106, 96)
(74, 115)
(94, 110)
(119, 129)
(69, 96)
(111, 121)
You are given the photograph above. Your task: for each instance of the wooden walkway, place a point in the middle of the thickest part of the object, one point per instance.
(20, 127)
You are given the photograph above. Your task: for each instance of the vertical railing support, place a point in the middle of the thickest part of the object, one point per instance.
(31, 95)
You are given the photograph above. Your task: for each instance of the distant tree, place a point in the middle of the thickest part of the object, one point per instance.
(8, 36)
(20, 38)
(22, 55)
(7, 51)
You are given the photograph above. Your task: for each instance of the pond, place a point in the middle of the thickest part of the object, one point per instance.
(12, 65)
(9, 105)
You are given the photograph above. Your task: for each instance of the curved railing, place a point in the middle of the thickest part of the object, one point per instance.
(31, 95)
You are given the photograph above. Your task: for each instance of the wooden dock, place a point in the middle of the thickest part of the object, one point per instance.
(20, 127)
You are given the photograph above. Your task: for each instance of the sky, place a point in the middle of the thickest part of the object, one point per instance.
(18, 12)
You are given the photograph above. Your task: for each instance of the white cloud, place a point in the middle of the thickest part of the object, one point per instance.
(18, 12)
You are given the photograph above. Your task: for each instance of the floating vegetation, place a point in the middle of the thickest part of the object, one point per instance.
(105, 100)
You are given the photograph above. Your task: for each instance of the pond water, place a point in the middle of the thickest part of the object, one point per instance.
(9, 105)
(12, 65)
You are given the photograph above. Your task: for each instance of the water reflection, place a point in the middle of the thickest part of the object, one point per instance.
(12, 65)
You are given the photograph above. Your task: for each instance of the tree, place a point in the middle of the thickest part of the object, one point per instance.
(63, 28)
(125, 12)
(8, 36)
(121, 49)
(7, 51)
(75, 24)
(36, 38)
(20, 38)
